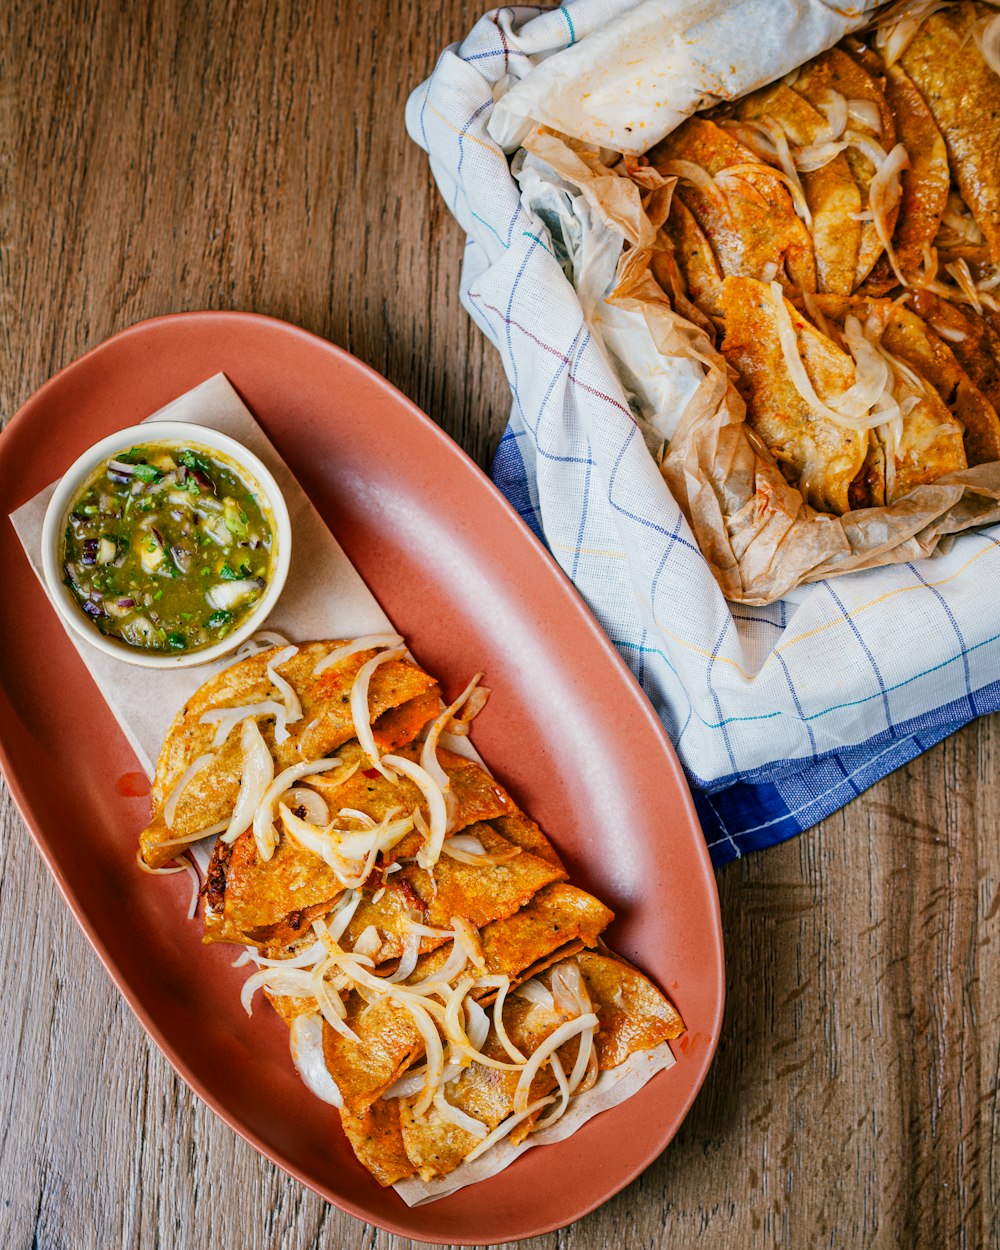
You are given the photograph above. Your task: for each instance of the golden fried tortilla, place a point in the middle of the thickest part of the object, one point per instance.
(377, 1141)
(750, 223)
(257, 897)
(559, 916)
(389, 1043)
(695, 259)
(971, 414)
(434, 1144)
(253, 901)
(820, 456)
(963, 94)
(325, 725)
(924, 186)
(835, 70)
(478, 893)
(634, 1015)
(831, 192)
(973, 340)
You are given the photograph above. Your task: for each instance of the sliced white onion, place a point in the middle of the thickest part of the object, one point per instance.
(949, 333)
(428, 753)
(753, 135)
(455, 1115)
(412, 1082)
(551, 1044)
(867, 146)
(306, 1044)
(369, 942)
(537, 993)
(227, 717)
(352, 813)
(314, 805)
(505, 1128)
(499, 1027)
(293, 983)
(464, 847)
(452, 967)
(264, 640)
(408, 961)
(293, 707)
(988, 37)
(305, 959)
(583, 1056)
(816, 155)
(854, 415)
(467, 937)
(959, 270)
(430, 852)
(432, 1048)
(190, 838)
(330, 1003)
(569, 991)
(366, 643)
(340, 917)
(835, 108)
(477, 1024)
(564, 1092)
(700, 178)
(257, 775)
(865, 113)
(170, 807)
(158, 872)
(360, 711)
(894, 35)
(195, 890)
(349, 853)
(263, 820)
(787, 174)
(883, 196)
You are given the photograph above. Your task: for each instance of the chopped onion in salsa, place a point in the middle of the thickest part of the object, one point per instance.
(167, 548)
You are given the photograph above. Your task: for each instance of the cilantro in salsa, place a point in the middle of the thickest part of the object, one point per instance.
(167, 548)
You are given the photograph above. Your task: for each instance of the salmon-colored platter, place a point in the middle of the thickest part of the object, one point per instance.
(567, 730)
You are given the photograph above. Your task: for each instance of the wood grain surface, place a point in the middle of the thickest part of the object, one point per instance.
(163, 156)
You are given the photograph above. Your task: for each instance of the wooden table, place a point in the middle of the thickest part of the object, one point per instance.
(167, 156)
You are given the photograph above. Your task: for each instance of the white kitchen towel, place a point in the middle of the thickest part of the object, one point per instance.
(780, 714)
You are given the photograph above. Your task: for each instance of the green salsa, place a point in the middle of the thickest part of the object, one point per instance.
(167, 548)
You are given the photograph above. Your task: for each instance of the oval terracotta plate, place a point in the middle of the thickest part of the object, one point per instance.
(568, 731)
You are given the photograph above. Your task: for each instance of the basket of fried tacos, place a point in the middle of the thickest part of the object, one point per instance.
(819, 259)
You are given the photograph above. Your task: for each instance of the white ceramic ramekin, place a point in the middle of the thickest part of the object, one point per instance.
(179, 434)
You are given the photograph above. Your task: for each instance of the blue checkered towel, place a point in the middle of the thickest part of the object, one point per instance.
(780, 714)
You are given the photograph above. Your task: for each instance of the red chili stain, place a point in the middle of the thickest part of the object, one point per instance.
(688, 1043)
(133, 785)
(371, 773)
